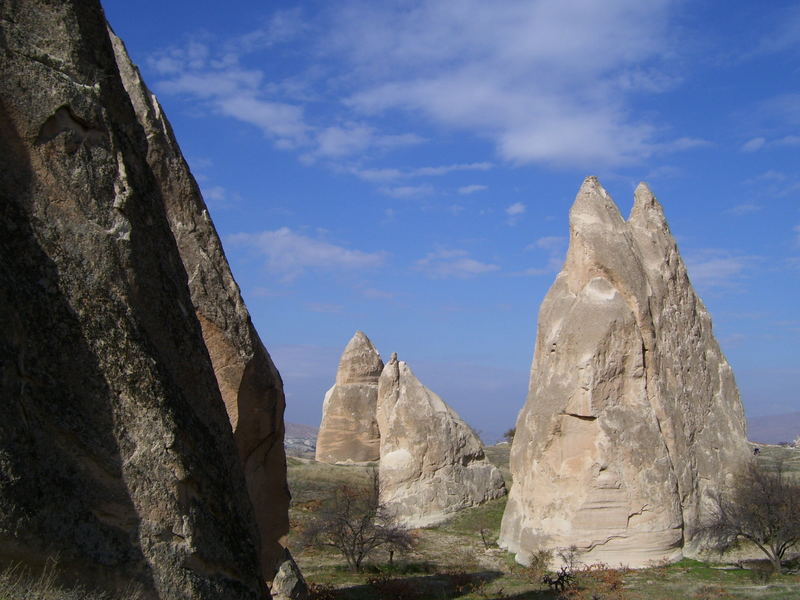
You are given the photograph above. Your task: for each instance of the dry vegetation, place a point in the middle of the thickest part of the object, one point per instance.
(452, 560)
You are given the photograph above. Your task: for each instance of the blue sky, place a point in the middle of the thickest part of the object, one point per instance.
(407, 168)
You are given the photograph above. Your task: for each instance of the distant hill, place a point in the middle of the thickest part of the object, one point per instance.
(300, 440)
(773, 429)
(297, 430)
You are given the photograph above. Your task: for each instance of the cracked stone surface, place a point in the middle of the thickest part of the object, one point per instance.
(432, 463)
(250, 384)
(116, 452)
(632, 414)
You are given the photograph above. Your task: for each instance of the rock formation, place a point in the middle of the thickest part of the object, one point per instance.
(432, 463)
(248, 380)
(349, 430)
(289, 583)
(116, 452)
(633, 414)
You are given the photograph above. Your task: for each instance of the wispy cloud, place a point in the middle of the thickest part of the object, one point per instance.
(514, 212)
(536, 78)
(515, 209)
(407, 191)
(714, 269)
(472, 189)
(554, 247)
(744, 209)
(505, 72)
(390, 174)
(290, 254)
(447, 264)
(321, 307)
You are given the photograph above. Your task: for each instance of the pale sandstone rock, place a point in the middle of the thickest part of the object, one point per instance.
(349, 430)
(432, 463)
(250, 384)
(632, 415)
(116, 453)
(289, 583)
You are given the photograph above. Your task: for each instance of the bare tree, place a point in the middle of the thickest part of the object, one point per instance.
(763, 507)
(354, 521)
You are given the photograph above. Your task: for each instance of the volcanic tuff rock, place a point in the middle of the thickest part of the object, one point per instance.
(349, 431)
(432, 463)
(633, 414)
(250, 384)
(115, 449)
(289, 583)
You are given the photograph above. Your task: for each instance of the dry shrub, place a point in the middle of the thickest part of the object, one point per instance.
(711, 592)
(388, 588)
(321, 591)
(538, 566)
(597, 582)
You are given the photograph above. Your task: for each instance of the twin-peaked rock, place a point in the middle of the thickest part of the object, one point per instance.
(633, 415)
(432, 463)
(349, 431)
(250, 384)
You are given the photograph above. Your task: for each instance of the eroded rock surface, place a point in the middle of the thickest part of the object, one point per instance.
(432, 463)
(116, 453)
(349, 429)
(250, 384)
(633, 414)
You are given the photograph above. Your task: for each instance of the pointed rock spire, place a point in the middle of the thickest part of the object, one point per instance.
(349, 431)
(360, 362)
(633, 417)
(432, 463)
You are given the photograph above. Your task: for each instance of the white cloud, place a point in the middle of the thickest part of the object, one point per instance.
(515, 209)
(552, 243)
(540, 79)
(408, 191)
(545, 82)
(754, 144)
(321, 307)
(291, 253)
(744, 209)
(717, 269)
(472, 189)
(447, 264)
(390, 174)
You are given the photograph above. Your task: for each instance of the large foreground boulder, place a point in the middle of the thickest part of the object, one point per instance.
(432, 463)
(250, 384)
(116, 453)
(633, 415)
(349, 430)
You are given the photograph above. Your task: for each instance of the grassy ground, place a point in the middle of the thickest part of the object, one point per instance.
(451, 560)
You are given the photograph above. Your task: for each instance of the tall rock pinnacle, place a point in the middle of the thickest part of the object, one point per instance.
(250, 384)
(349, 431)
(633, 415)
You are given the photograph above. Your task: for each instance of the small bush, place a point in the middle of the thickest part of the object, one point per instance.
(388, 588)
(321, 591)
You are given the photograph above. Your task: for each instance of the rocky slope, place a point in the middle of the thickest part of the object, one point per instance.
(633, 415)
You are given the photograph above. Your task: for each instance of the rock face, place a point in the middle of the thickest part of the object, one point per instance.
(349, 430)
(250, 384)
(432, 463)
(116, 452)
(633, 414)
